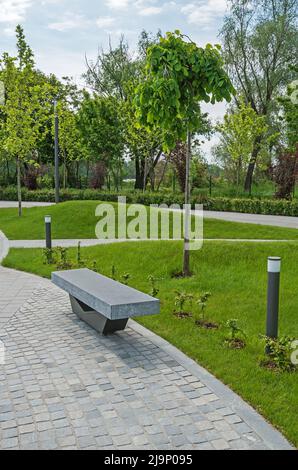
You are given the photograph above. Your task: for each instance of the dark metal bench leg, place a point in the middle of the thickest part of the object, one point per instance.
(95, 319)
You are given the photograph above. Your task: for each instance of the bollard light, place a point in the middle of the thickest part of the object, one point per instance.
(273, 268)
(48, 222)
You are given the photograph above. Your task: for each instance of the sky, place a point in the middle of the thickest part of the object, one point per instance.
(63, 32)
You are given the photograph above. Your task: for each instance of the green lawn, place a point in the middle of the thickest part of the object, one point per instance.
(76, 219)
(235, 274)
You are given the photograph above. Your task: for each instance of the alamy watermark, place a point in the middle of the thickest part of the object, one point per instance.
(2, 353)
(294, 355)
(294, 92)
(2, 93)
(123, 221)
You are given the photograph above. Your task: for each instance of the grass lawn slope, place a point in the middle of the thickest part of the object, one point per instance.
(76, 219)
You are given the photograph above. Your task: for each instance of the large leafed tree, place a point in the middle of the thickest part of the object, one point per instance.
(179, 75)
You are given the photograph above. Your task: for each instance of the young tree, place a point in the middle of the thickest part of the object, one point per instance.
(260, 43)
(179, 75)
(239, 131)
(24, 109)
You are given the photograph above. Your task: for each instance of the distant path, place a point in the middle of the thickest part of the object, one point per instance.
(275, 220)
(14, 204)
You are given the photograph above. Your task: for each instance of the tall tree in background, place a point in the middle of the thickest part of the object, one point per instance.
(179, 75)
(101, 126)
(286, 170)
(260, 43)
(115, 74)
(239, 131)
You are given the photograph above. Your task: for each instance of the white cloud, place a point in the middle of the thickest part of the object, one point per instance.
(148, 11)
(68, 23)
(13, 11)
(204, 13)
(117, 4)
(105, 21)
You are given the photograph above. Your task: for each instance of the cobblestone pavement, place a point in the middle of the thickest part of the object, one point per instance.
(65, 386)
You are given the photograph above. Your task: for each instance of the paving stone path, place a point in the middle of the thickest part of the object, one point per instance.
(65, 386)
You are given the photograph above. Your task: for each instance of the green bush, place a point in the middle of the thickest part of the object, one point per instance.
(253, 206)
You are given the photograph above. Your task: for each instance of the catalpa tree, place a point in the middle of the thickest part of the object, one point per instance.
(178, 76)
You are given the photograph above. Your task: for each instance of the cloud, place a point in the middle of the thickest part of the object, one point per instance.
(105, 21)
(117, 4)
(148, 11)
(14, 11)
(204, 13)
(68, 23)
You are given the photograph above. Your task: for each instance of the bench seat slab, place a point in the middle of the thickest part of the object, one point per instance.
(95, 319)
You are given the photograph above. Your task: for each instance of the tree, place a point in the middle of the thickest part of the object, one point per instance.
(260, 42)
(24, 109)
(239, 131)
(179, 75)
(71, 144)
(286, 170)
(101, 126)
(115, 74)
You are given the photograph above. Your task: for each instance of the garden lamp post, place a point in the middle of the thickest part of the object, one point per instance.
(48, 231)
(273, 297)
(56, 152)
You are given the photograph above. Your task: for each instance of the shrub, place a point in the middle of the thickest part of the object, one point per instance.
(279, 353)
(253, 206)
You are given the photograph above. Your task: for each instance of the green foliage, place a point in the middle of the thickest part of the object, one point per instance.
(100, 122)
(290, 115)
(234, 329)
(181, 299)
(114, 273)
(280, 351)
(179, 75)
(125, 278)
(239, 131)
(62, 258)
(48, 255)
(202, 303)
(154, 289)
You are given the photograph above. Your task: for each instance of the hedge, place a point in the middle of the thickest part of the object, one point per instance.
(253, 206)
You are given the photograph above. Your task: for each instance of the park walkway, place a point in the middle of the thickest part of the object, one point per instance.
(65, 386)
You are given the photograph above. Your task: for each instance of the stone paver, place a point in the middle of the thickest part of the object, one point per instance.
(65, 386)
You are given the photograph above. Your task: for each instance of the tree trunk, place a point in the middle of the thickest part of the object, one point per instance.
(7, 171)
(186, 264)
(163, 174)
(139, 177)
(145, 175)
(251, 166)
(19, 186)
(87, 173)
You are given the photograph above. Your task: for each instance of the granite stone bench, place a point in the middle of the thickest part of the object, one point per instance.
(101, 302)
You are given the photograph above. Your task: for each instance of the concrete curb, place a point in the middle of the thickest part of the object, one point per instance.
(273, 438)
